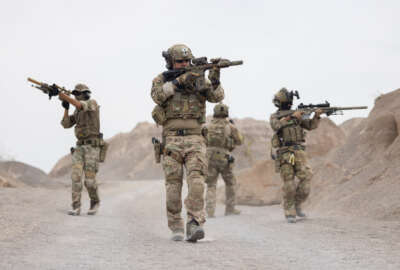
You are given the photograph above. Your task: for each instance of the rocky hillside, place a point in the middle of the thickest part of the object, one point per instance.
(16, 174)
(361, 177)
(131, 155)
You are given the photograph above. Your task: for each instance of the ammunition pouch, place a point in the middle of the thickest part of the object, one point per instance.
(293, 134)
(158, 115)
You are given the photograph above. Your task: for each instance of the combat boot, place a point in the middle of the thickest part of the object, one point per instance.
(74, 212)
(177, 235)
(94, 206)
(291, 219)
(300, 213)
(231, 212)
(194, 231)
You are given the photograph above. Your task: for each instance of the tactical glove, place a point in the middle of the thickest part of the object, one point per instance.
(231, 121)
(214, 74)
(298, 115)
(53, 90)
(186, 80)
(168, 89)
(65, 105)
(318, 113)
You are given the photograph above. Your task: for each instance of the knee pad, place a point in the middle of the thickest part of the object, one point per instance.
(90, 174)
(90, 183)
(289, 188)
(196, 183)
(76, 175)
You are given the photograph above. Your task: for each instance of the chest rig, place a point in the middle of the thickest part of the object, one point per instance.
(184, 105)
(87, 124)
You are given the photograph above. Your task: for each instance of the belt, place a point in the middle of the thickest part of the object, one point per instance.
(182, 132)
(86, 142)
(293, 146)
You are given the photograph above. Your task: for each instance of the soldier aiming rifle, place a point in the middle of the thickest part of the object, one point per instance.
(288, 141)
(90, 147)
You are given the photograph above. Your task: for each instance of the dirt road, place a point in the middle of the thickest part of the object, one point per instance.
(130, 232)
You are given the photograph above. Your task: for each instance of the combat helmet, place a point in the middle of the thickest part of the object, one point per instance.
(80, 88)
(221, 110)
(284, 98)
(177, 52)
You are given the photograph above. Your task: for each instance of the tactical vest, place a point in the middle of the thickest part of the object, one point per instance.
(218, 134)
(186, 106)
(292, 134)
(87, 124)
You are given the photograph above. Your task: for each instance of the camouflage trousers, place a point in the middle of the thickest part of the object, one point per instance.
(294, 163)
(187, 152)
(84, 161)
(218, 164)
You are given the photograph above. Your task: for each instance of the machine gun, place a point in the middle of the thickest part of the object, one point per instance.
(199, 66)
(326, 108)
(51, 90)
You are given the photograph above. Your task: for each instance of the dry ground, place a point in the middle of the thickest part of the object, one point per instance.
(130, 232)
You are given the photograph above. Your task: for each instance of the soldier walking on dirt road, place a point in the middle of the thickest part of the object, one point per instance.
(222, 138)
(180, 110)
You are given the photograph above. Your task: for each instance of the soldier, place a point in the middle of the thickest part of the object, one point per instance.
(291, 157)
(222, 137)
(181, 108)
(85, 156)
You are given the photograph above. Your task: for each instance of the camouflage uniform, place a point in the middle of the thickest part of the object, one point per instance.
(222, 137)
(85, 158)
(182, 114)
(292, 161)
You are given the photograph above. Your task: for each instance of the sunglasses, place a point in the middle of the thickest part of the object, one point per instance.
(181, 61)
(78, 93)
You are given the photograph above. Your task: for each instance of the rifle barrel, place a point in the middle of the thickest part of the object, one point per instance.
(34, 81)
(237, 63)
(351, 108)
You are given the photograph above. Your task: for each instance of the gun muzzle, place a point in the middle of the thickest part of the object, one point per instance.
(34, 81)
(237, 63)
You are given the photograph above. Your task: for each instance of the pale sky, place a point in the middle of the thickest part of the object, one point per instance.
(346, 52)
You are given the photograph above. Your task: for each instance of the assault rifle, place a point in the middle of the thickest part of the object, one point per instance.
(199, 65)
(325, 107)
(51, 90)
